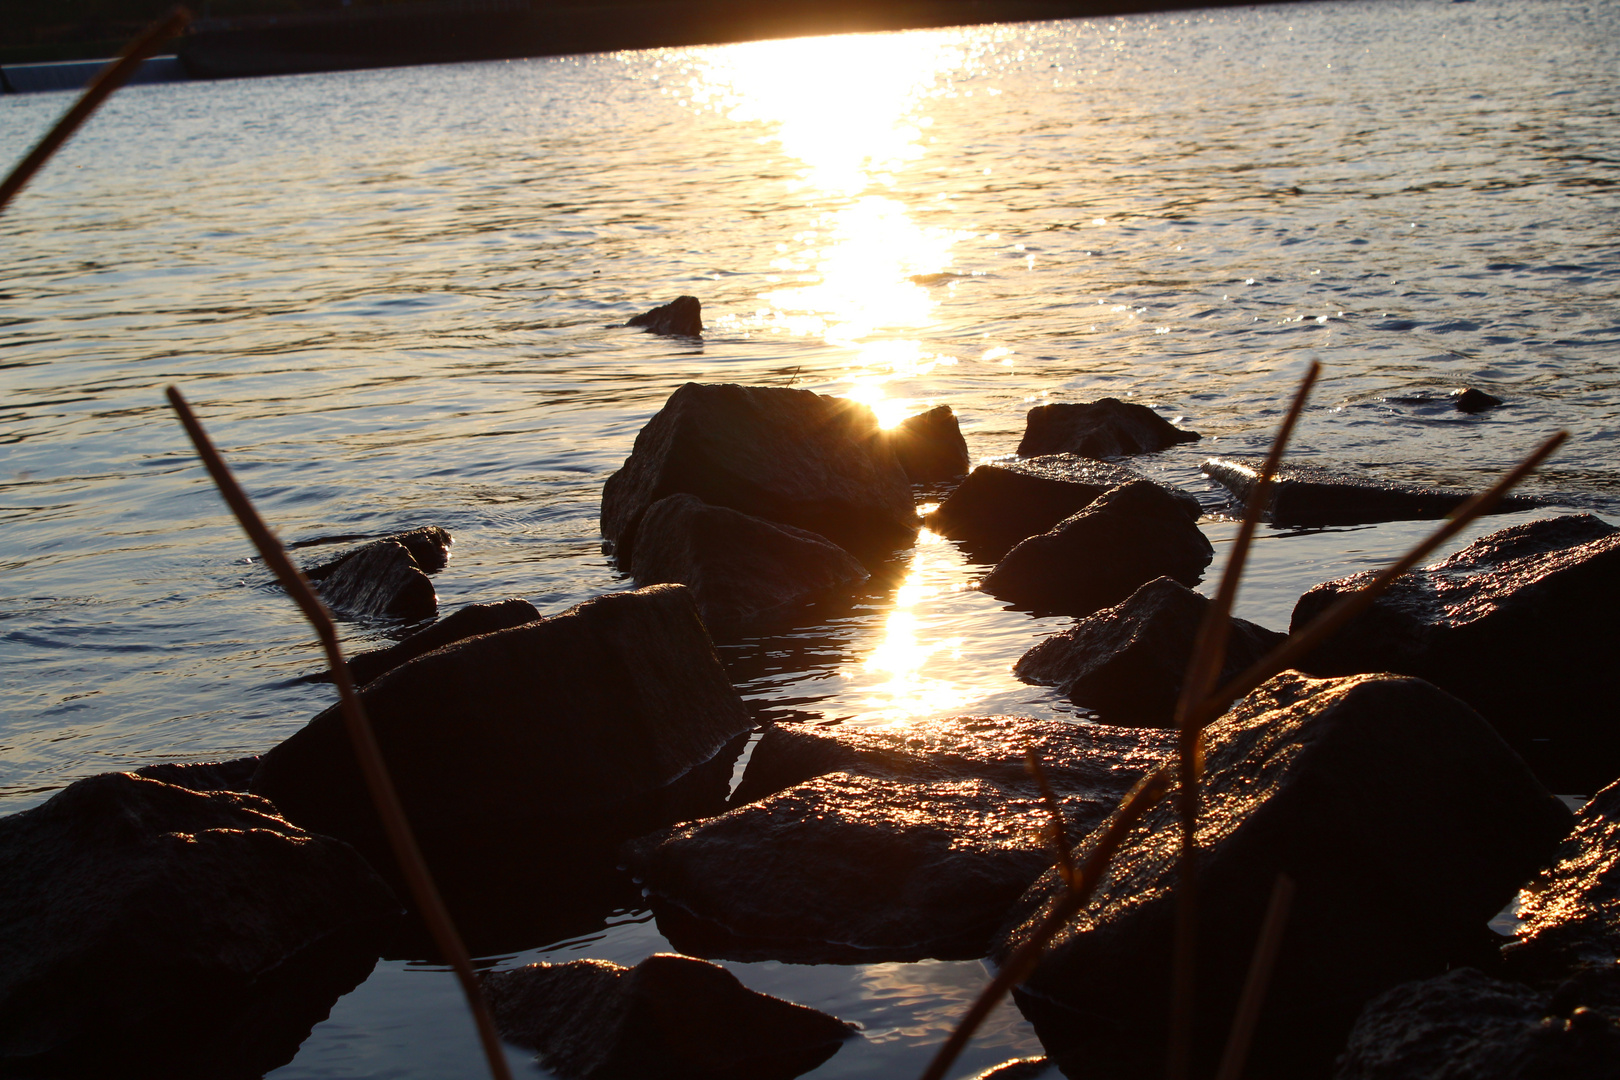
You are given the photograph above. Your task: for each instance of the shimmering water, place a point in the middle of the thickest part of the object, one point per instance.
(390, 295)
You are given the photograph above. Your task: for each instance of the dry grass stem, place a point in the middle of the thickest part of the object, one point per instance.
(101, 87)
(1203, 671)
(1266, 947)
(1060, 835)
(403, 841)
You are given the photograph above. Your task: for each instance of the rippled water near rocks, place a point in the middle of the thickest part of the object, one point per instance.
(392, 294)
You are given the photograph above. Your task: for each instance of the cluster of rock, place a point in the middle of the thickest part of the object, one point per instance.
(222, 907)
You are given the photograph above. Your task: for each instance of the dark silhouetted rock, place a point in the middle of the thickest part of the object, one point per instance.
(1101, 555)
(1313, 495)
(743, 571)
(469, 621)
(1403, 819)
(681, 317)
(1127, 661)
(1465, 1026)
(557, 731)
(930, 446)
(204, 775)
(1519, 625)
(999, 505)
(1475, 401)
(668, 1018)
(201, 927)
(790, 456)
(914, 848)
(386, 577)
(1098, 429)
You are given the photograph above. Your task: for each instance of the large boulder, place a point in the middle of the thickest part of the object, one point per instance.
(999, 505)
(914, 848)
(1127, 661)
(1404, 821)
(791, 456)
(387, 577)
(1519, 625)
(1102, 554)
(668, 1018)
(681, 317)
(930, 446)
(204, 775)
(148, 930)
(1317, 495)
(1098, 429)
(744, 571)
(469, 621)
(568, 729)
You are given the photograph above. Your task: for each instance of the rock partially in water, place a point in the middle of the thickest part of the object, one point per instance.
(1403, 819)
(790, 456)
(1518, 624)
(1471, 400)
(148, 930)
(744, 571)
(681, 317)
(915, 848)
(1312, 496)
(567, 730)
(930, 446)
(1102, 554)
(668, 1018)
(1127, 661)
(386, 577)
(1467, 1026)
(999, 505)
(469, 621)
(1098, 429)
(204, 775)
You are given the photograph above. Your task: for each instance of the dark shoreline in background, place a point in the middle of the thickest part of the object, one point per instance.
(466, 30)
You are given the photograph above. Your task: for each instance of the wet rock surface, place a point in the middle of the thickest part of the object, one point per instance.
(386, 577)
(681, 317)
(1127, 661)
(743, 571)
(930, 446)
(1314, 495)
(999, 505)
(204, 775)
(790, 456)
(1402, 818)
(1467, 1026)
(914, 848)
(1475, 401)
(466, 622)
(1098, 429)
(668, 1018)
(1517, 624)
(557, 731)
(1097, 558)
(140, 914)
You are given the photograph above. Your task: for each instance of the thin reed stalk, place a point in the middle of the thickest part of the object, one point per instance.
(101, 87)
(1203, 671)
(1266, 947)
(1060, 835)
(423, 890)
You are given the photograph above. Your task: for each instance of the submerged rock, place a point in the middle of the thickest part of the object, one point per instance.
(1101, 555)
(469, 621)
(681, 317)
(1127, 661)
(790, 456)
(1312, 496)
(668, 1018)
(999, 505)
(1098, 429)
(386, 577)
(202, 927)
(930, 446)
(1475, 401)
(743, 571)
(1403, 820)
(568, 730)
(914, 847)
(1518, 624)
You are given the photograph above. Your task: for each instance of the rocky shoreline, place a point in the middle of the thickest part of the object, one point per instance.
(1401, 780)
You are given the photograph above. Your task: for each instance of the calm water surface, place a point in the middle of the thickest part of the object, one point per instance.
(391, 296)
